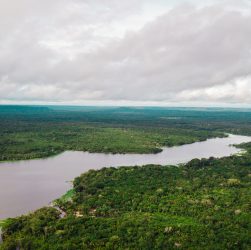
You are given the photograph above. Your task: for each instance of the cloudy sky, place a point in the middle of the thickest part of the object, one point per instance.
(134, 52)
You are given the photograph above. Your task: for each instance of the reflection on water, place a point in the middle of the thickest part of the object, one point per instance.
(28, 185)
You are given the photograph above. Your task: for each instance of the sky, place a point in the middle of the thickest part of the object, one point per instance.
(134, 52)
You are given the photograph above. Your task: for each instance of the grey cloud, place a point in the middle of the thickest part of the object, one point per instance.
(64, 53)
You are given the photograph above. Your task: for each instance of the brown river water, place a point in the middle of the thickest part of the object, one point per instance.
(31, 184)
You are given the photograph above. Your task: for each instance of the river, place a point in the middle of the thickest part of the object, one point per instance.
(31, 184)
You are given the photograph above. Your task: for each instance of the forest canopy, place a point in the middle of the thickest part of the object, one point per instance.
(204, 204)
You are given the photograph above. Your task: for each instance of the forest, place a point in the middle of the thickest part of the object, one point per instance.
(204, 204)
(29, 132)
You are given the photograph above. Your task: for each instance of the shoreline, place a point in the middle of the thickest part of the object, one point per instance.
(155, 151)
(239, 152)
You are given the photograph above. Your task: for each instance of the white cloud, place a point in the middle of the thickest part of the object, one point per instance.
(132, 51)
(231, 92)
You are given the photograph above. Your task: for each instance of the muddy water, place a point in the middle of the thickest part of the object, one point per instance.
(31, 184)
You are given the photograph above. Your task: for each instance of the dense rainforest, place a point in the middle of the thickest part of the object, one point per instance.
(29, 132)
(204, 204)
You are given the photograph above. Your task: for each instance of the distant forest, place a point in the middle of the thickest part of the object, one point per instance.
(29, 132)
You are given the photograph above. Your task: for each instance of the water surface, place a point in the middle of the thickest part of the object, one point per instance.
(31, 184)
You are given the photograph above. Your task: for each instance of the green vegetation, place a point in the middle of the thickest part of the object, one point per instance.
(66, 197)
(2, 222)
(52, 140)
(204, 204)
(36, 132)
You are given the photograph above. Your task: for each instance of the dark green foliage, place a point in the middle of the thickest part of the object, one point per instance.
(204, 204)
(36, 132)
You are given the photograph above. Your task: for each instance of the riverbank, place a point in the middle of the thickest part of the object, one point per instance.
(50, 142)
(149, 207)
(49, 177)
(38, 132)
(2, 223)
(151, 151)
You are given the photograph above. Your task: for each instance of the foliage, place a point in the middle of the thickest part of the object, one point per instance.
(204, 204)
(36, 132)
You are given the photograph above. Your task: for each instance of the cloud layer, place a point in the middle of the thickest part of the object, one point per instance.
(135, 51)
